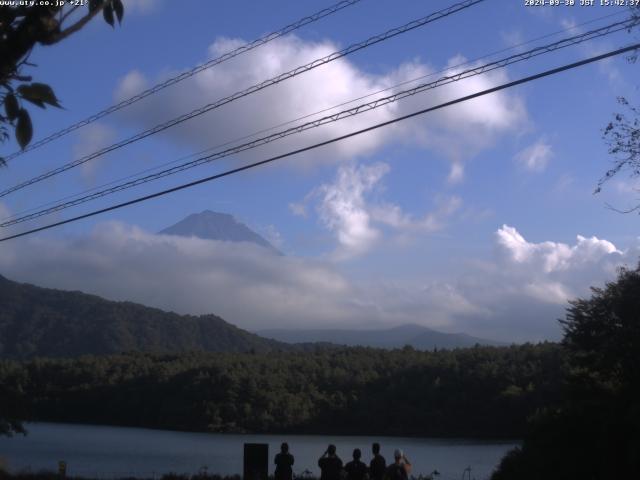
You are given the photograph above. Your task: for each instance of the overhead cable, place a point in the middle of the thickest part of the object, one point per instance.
(357, 110)
(187, 74)
(504, 86)
(309, 115)
(248, 91)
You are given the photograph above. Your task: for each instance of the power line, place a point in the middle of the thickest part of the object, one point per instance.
(253, 89)
(333, 140)
(289, 122)
(563, 43)
(188, 74)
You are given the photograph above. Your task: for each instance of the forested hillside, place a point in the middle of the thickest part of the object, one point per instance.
(482, 391)
(416, 336)
(38, 321)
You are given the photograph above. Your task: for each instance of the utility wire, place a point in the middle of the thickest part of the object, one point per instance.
(253, 89)
(576, 39)
(188, 74)
(309, 115)
(504, 86)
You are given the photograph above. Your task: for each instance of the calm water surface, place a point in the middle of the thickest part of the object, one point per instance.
(108, 452)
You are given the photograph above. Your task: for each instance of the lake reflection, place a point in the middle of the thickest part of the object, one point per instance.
(108, 452)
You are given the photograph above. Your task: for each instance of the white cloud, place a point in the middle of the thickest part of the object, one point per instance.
(456, 174)
(132, 83)
(298, 208)
(564, 183)
(535, 157)
(553, 272)
(435, 304)
(526, 287)
(517, 296)
(457, 132)
(627, 187)
(393, 216)
(597, 47)
(244, 283)
(345, 208)
(94, 137)
(4, 211)
(142, 7)
(7, 213)
(570, 25)
(511, 38)
(551, 256)
(273, 235)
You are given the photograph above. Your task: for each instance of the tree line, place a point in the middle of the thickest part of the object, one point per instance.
(481, 391)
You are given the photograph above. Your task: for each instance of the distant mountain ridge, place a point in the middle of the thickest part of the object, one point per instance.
(37, 321)
(416, 336)
(210, 225)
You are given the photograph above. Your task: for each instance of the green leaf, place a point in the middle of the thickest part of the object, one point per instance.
(38, 94)
(11, 106)
(24, 129)
(119, 9)
(94, 5)
(46, 94)
(35, 101)
(107, 13)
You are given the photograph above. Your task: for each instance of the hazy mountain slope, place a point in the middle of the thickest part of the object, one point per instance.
(38, 321)
(419, 337)
(216, 226)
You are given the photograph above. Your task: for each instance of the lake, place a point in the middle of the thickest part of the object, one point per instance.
(108, 452)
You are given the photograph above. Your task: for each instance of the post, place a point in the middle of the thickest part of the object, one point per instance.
(62, 469)
(256, 461)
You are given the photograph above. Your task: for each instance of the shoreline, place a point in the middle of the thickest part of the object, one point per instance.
(471, 438)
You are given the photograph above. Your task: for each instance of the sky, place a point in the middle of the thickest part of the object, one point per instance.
(477, 218)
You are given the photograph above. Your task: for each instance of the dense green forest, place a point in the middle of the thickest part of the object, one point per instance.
(43, 322)
(482, 391)
(593, 430)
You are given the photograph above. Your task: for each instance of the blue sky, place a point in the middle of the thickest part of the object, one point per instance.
(466, 220)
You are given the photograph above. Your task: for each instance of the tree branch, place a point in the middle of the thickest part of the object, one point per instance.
(617, 210)
(73, 28)
(66, 15)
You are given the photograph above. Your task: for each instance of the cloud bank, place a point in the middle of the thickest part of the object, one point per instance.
(527, 285)
(457, 132)
(516, 296)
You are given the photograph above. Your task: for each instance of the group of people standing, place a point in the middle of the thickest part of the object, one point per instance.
(332, 468)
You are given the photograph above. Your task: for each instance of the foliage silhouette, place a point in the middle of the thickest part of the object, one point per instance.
(23, 27)
(593, 431)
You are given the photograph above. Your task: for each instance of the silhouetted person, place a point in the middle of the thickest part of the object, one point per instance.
(378, 464)
(284, 462)
(400, 468)
(356, 470)
(330, 464)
